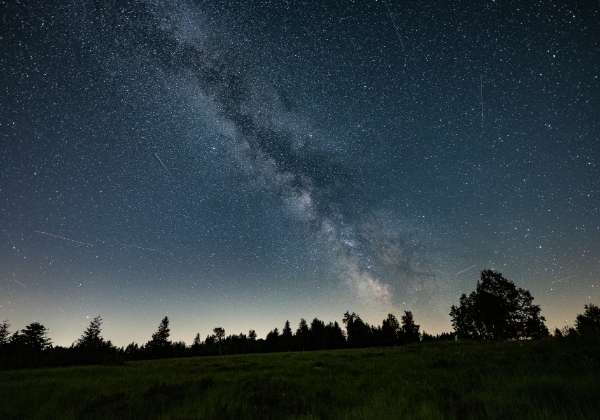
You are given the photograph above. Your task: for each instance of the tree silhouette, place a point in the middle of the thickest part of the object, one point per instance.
(219, 336)
(589, 321)
(251, 341)
(286, 337)
(178, 348)
(410, 331)
(497, 310)
(334, 336)
(160, 345)
(210, 343)
(359, 333)
(197, 341)
(302, 335)
(91, 336)
(161, 336)
(348, 321)
(92, 348)
(317, 334)
(237, 343)
(272, 340)
(4, 333)
(27, 348)
(390, 328)
(33, 337)
(132, 351)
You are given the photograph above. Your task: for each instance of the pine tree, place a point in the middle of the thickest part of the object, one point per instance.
(302, 334)
(91, 336)
(286, 336)
(159, 345)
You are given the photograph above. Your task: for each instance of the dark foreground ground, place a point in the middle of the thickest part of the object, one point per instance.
(550, 379)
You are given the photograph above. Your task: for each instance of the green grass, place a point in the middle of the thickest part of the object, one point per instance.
(552, 379)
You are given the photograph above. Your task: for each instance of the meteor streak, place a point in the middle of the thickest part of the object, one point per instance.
(139, 247)
(395, 27)
(462, 271)
(564, 279)
(61, 237)
(161, 162)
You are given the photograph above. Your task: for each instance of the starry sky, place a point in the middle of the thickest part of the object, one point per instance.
(239, 164)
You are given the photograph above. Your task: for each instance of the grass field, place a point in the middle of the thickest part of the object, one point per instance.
(550, 379)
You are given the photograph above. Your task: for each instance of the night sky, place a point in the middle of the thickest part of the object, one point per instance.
(240, 164)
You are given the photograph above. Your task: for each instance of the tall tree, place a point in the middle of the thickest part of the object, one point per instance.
(302, 335)
(497, 309)
(286, 337)
(251, 341)
(91, 336)
(161, 336)
(219, 337)
(92, 348)
(390, 328)
(589, 321)
(359, 333)
(317, 334)
(159, 345)
(410, 331)
(197, 341)
(348, 321)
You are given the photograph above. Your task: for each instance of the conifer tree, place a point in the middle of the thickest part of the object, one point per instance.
(91, 336)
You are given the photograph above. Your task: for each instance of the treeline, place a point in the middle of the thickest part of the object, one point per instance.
(496, 310)
(31, 347)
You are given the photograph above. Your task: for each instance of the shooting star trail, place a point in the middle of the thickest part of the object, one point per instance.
(62, 237)
(138, 247)
(17, 281)
(564, 279)
(396, 28)
(166, 169)
(462, 271)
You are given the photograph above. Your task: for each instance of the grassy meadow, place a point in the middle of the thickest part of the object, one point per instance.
(549, 379)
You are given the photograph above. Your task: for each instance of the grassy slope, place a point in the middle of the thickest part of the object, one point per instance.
(529, 380)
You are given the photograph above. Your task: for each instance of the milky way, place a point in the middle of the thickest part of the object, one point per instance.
(240, 164)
